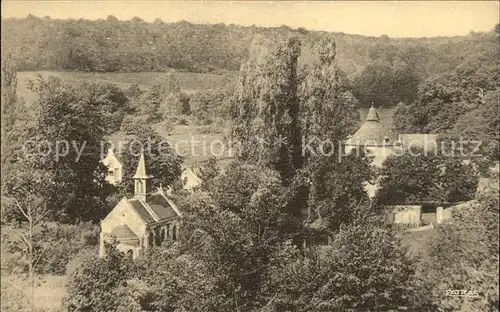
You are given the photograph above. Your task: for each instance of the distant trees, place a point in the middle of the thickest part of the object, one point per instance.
(163, 100)
(385, 84)
(442, 100)
(138, 46)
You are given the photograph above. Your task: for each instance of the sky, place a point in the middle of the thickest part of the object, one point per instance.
(371, 18)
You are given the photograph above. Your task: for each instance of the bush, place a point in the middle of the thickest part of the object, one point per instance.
(97, 284)
(55, 244)
(130, 124)
(365, 268)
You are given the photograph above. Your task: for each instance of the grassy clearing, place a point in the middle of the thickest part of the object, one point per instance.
(48, 294)
(190, 82)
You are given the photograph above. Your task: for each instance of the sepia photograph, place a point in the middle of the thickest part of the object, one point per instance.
(250, 156)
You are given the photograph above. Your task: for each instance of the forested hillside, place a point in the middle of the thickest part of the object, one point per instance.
(137, 46)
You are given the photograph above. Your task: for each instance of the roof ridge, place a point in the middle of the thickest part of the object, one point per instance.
(127, 200)
(170, 202)
(148, 209)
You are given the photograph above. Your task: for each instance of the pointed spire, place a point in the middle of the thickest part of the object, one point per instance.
(372, 114)
(140, 173)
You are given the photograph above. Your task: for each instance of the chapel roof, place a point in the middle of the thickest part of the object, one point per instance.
(371, 131)
(157, 208)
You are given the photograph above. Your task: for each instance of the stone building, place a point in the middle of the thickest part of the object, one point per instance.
(379, 141)
(147, 219)
(376, 140)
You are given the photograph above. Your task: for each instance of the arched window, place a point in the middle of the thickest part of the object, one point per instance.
(130, 254)
(150, 240)
(157, 237)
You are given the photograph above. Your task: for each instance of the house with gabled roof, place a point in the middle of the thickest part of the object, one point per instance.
(190, 179)
(115, 167)
(148, 219)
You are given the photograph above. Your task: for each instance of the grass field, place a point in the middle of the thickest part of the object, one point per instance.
(190, 82)
(48, 295)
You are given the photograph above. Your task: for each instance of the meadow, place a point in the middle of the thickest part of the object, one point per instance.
(205, 138)
(190, 82)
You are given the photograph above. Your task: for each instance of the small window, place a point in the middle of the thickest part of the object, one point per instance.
(162, 234)
(174, 232)
(185, 181)
(130, 254)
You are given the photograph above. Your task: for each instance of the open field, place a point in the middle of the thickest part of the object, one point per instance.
(48, 294)
(190, 82)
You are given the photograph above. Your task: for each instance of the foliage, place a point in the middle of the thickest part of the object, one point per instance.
(130, 123)
(161, 160)
(55, 245)
(62, 147)
(411, 178)
(384, 84)
(139, 46)
(337, 188)
(110, 100)
(209, 172)
(460, 103)
(9, 105)
(464, 255)
(364, 268)
(96, 285)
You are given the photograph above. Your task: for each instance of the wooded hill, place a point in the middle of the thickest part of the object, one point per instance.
(138, 46)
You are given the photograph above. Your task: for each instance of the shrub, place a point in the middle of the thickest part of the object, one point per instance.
(365, 268)
(93, 286)
(54, 244)
(130, 124)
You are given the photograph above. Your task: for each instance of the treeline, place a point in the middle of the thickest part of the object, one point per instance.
(459, 104)
(137, 46)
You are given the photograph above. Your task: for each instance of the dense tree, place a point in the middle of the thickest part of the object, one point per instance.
(64, 143)
(161, 160)
(267, 112)
(209, 172)
(98, 283)
(411, 178)
(464, 255)
(111, 101)
(385, 84)
(441, 101)
(365, 268)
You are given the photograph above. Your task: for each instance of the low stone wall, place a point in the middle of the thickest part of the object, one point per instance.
(406, 214)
